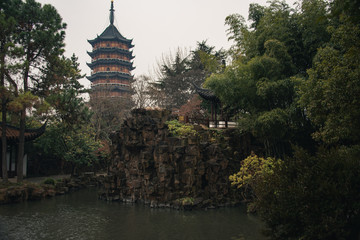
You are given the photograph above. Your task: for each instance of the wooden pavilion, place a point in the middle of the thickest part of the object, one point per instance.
(12, 139)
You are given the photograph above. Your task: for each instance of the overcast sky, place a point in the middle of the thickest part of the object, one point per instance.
(157, 27)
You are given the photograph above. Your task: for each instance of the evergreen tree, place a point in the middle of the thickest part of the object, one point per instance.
(176, 74)
(41, 38)
(8, 51)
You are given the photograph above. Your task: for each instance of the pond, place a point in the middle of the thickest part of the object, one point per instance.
(80, 215)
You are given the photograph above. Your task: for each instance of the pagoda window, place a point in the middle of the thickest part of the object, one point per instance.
(108, 69)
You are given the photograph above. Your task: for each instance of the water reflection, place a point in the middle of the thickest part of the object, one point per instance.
(81, 216)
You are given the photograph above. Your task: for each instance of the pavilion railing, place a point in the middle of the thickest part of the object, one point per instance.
(209, 123)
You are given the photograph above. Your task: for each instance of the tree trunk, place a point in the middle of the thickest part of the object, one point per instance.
(3, 124)
(3, 143)
(20, 160)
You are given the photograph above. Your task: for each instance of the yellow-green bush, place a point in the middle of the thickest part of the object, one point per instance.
(252, 169)
(177, 128)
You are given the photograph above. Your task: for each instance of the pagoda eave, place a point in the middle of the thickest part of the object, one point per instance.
(101, 39)
(102, 75)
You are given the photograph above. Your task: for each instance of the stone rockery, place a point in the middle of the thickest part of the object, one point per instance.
(151, 166)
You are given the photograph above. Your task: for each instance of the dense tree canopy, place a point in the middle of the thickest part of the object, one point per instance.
(331, 95)
(295, 79)
(36, 78)
(270, 59)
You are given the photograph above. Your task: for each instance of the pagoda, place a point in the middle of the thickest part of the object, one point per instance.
(111, 63)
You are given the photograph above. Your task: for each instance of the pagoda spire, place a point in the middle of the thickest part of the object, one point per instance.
(112, 12)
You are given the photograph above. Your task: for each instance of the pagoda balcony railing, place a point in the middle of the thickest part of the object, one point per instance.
(109, 72)
(109, 59)
(110, 88)
(111, 48)
(109, 85)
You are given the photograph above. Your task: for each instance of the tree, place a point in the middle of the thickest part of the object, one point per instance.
(193, 108)
(270, 58)
(313, 20)
(171, 81)
(70, 138)
(254, 170)
(7, 51)
(331, 95)
(312, 196)
(261, 94)
(77, 147)
(108, 115)
(66, 97)
(40, 35)
(142, 91)
(173, 86)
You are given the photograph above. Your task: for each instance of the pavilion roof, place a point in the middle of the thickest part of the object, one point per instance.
(12, 133)
(206, 94)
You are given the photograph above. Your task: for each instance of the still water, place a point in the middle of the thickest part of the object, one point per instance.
(80, 215)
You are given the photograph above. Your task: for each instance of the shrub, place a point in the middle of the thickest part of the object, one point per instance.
(49, 181)
(312, 197)
(179, 129)
(253, 170)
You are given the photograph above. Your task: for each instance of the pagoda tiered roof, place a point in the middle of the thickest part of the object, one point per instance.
(111, 61)
(102, 75)
(111, 33)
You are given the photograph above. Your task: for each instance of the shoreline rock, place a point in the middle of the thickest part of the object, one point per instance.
(30, 191)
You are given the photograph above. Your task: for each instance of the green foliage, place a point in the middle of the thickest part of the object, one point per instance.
(312, 197)
(69, 137)
(179, 129)
(216, 135)
(272, 125)
(81, 147)
(331, 95)
(297, 74)
(260, 86)
(262, 96)
(253, 171)
(49, 181)
(186, 201)
(77, 146)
